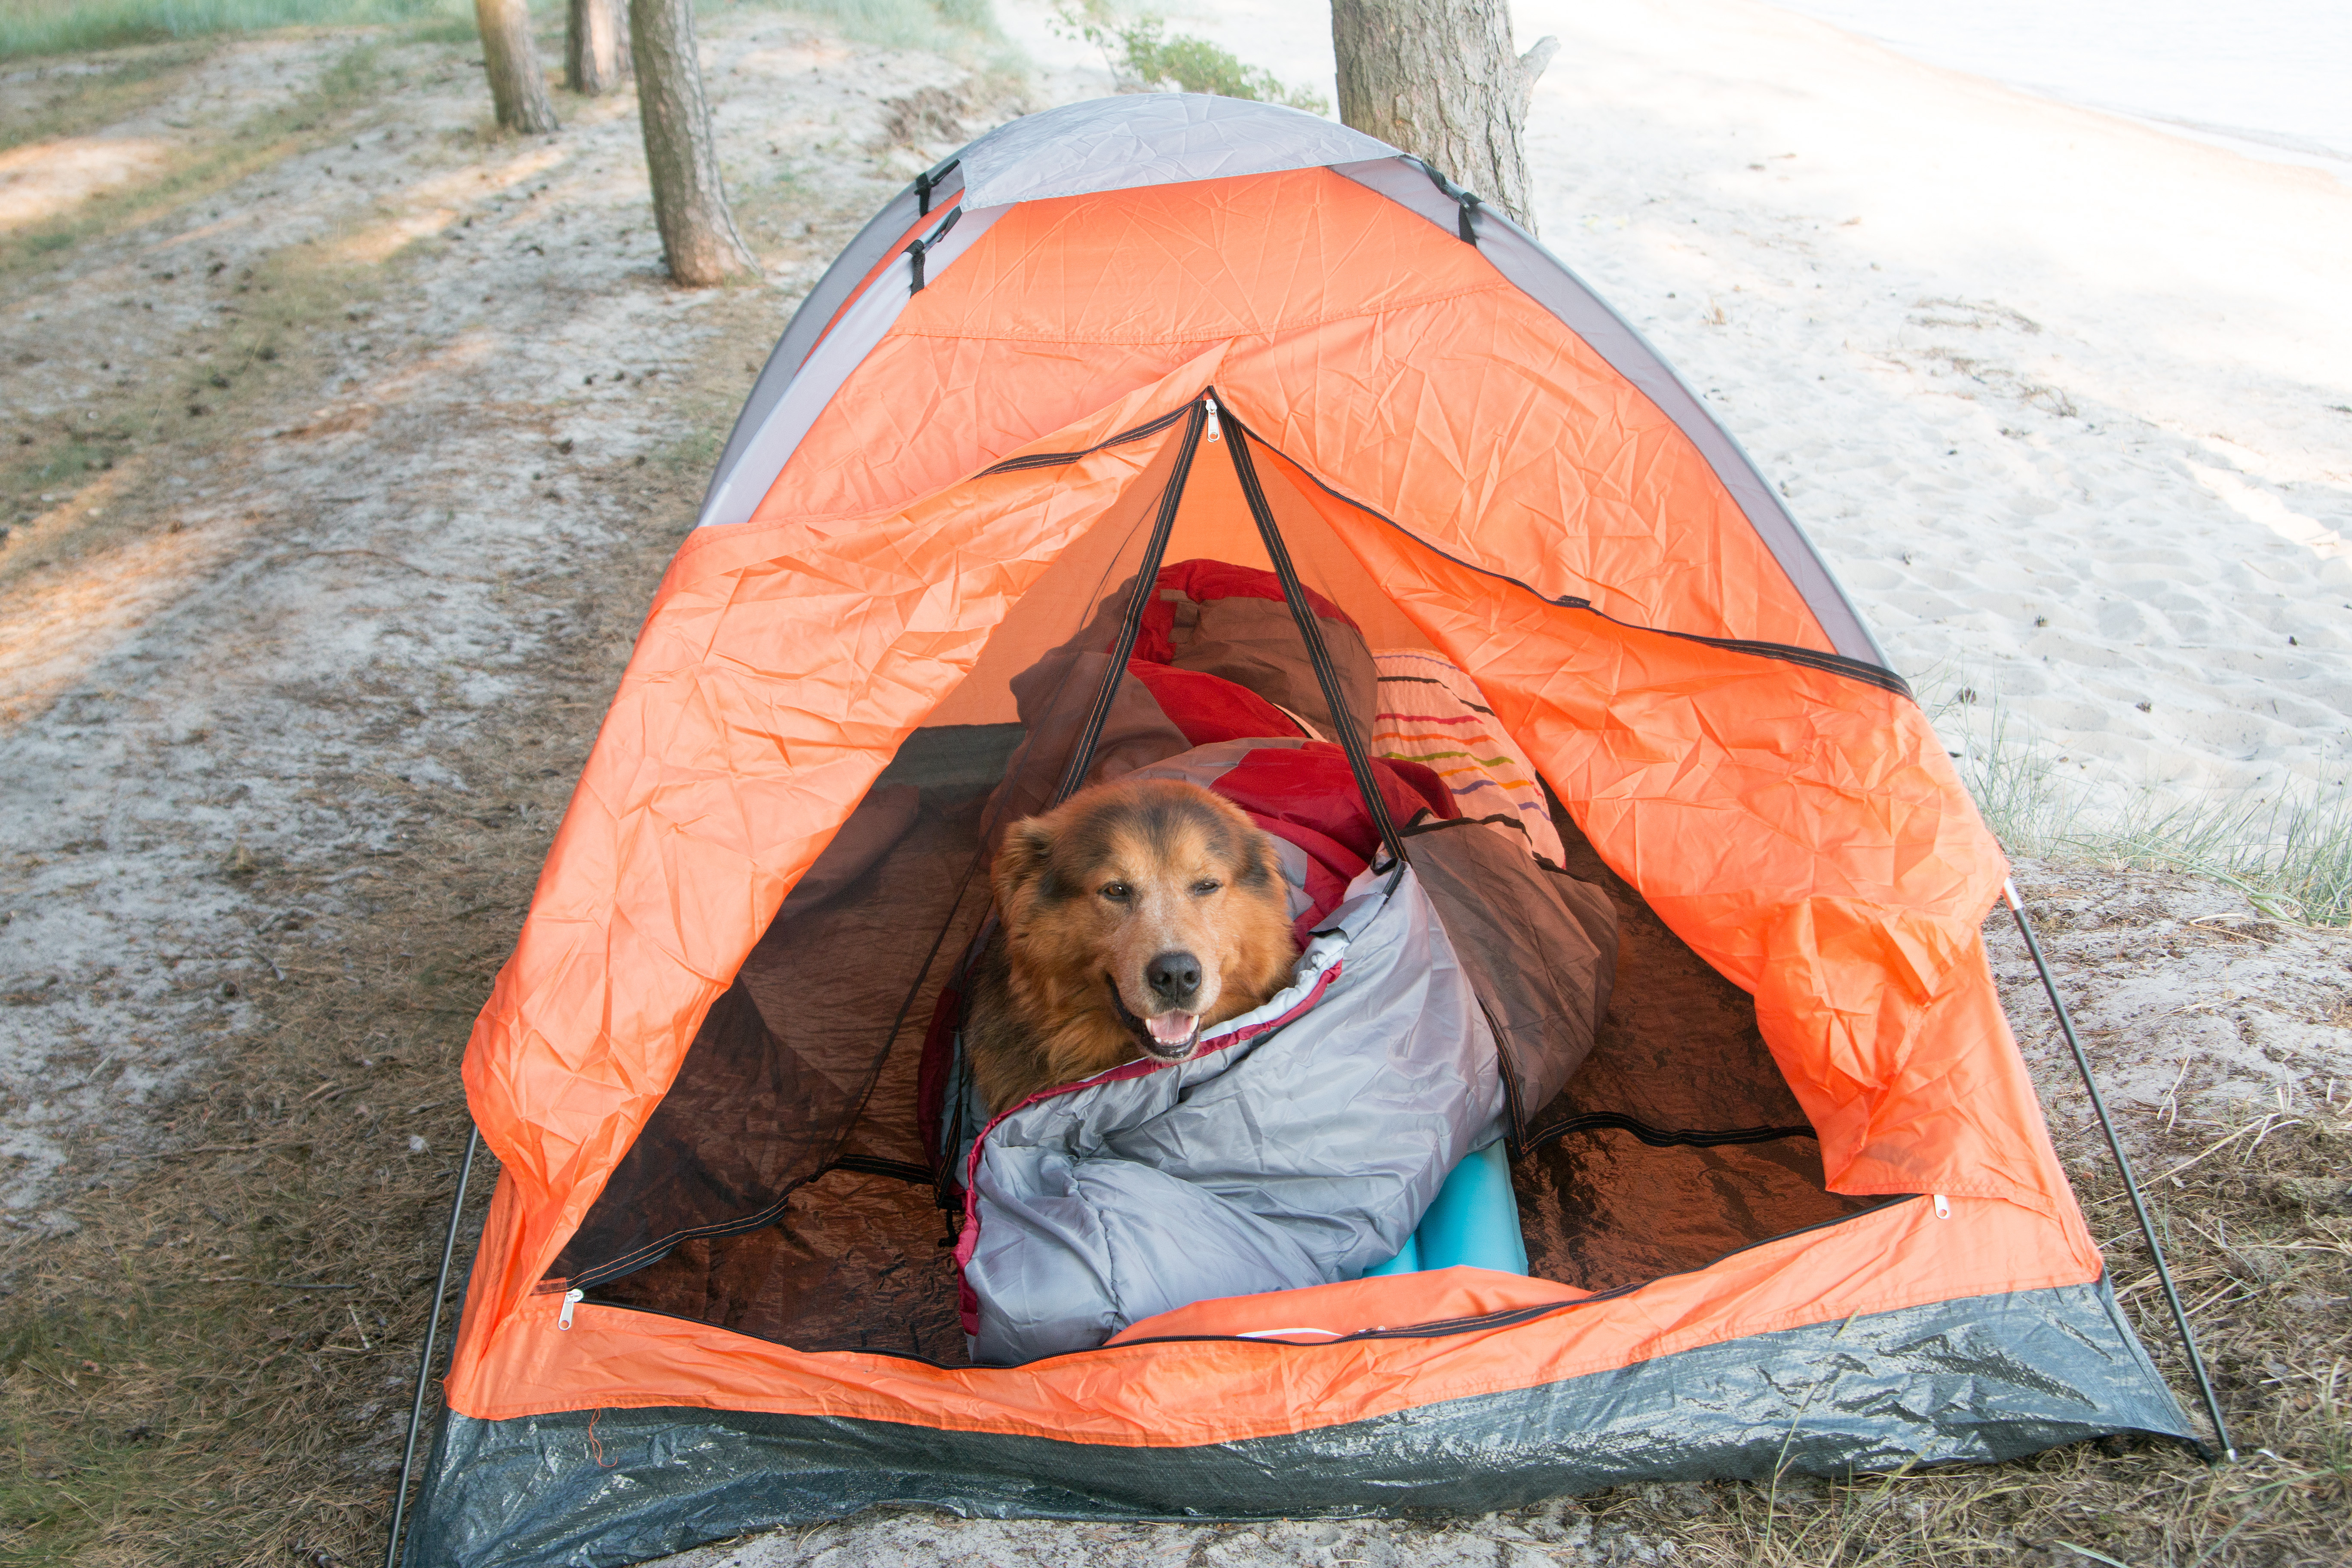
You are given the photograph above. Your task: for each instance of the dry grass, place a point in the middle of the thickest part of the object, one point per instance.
(214, 1368)
(2268, 1281)
(37, 27)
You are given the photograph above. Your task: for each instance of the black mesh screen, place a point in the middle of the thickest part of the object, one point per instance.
(836, 995)
(783, 1188)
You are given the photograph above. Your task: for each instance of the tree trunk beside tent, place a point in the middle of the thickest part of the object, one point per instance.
(595, 47)
(517, 90)
(1437, 79)
(698, 237)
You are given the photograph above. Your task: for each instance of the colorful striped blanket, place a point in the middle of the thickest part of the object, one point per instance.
(1430, 711)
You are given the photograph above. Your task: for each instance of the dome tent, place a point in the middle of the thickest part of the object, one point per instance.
(1796, 1209)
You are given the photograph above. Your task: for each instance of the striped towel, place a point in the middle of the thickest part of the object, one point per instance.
(1431, 712)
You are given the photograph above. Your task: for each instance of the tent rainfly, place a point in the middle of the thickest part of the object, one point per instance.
(1795, 1208)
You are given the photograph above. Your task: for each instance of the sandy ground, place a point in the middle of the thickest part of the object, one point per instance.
(2062, 399)
(335, 595)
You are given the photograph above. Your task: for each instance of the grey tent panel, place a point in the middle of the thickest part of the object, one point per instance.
(1102, 144)
(882, 231)
(1983, 1379)
(1151, 139)
(1543, 278)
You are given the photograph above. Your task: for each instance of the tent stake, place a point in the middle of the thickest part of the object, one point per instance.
(425, 1362)
(2123, 1163)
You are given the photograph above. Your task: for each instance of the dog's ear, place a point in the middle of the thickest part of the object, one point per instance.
(1263, 872)
(1026, 853)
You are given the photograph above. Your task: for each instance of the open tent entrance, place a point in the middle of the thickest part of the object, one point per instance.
(789, 1186)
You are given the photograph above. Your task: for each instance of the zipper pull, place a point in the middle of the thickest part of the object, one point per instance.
(1211, 405)
(1943, 1207)
(574, 1297)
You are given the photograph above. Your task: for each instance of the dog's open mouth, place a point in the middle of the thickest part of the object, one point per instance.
(1169, 1037)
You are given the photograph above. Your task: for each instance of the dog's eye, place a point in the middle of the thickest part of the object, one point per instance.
(1116, 892)
(1202, 889)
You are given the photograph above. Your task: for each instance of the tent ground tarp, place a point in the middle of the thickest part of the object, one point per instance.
(1987, 1378)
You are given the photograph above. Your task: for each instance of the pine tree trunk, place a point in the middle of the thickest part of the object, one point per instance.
(517, 90)
(595, 47)
(1437, 79)
(697, 232)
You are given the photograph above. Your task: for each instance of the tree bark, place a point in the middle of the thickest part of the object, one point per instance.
(697, 232)
(595, 47)
(517, 90)
(1438, 79)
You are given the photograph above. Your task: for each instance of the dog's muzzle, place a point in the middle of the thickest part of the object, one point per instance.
(1168, 1037)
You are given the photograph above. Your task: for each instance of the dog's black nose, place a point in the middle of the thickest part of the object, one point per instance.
(1173, 977)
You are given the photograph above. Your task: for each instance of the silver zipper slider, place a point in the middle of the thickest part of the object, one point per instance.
(1211, 405)
(574, 1297)
(1943, 1207)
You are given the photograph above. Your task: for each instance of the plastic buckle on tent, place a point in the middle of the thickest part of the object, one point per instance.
(1943, 1207)
(570, 1300)
(1214, 433)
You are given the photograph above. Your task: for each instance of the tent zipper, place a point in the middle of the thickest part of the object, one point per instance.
(570, 1300)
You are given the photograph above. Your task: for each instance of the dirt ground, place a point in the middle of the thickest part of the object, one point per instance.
(342, 442)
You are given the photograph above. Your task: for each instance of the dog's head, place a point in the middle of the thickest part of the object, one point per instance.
(1160, 899)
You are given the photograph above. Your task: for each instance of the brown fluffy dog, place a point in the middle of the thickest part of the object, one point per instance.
(1131, 918)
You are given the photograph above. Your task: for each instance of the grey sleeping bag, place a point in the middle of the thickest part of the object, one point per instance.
(1296, 1155)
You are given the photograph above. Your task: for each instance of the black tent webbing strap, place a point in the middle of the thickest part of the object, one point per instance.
(1146, 574)
(929, 181)
(1310, 632)
(425, 1360)
(2123, 1163)
(922, 248)
(1465, 202)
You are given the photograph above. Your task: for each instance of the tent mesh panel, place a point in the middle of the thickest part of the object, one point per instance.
(782, 1189)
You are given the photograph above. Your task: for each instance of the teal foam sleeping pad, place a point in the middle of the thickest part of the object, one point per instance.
(1475, 1221)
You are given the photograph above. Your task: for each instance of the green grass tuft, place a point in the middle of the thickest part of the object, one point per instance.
(1141, 51)
(2290, 851)
(942, 27)
(32, 27)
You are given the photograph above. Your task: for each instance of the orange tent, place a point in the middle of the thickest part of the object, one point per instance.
(1797, 1210)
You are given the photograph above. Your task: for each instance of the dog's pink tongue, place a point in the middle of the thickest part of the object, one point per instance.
(1173, 1029)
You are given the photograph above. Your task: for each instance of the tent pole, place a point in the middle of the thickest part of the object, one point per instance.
(425, 1362)
(1327, 674)
(2123, 1163)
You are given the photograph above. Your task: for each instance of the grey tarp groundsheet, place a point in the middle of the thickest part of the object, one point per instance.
(1984, 1378)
